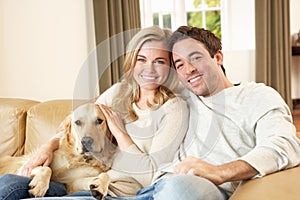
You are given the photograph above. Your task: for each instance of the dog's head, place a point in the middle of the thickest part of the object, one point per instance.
(87, 131)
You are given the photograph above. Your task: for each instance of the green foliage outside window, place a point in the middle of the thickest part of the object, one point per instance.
(155, 19)
(167, 21)
(213, 18)
(213, 22)
(194, 19)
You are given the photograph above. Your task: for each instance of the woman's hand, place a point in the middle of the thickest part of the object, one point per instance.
(43, 157)
(114, 121)
(117, 127)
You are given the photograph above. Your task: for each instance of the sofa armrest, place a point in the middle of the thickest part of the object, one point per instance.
(12, 125)
(277, 186)
(43, 119)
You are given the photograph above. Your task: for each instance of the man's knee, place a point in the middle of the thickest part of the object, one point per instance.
(186, 183)
(187, 187)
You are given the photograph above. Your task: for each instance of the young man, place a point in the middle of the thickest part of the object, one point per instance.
(236, 132)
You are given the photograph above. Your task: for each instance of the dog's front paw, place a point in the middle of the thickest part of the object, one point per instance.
(99, 187)
(38, 188)
(95, 193)
(40, 181)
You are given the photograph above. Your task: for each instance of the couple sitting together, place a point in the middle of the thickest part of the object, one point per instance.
(193, 133)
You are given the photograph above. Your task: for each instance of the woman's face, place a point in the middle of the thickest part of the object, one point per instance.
(152, 65)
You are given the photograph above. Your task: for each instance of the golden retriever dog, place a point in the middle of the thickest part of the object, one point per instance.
(85, 153)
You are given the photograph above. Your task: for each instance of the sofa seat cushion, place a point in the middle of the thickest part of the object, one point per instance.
(12, 125)
(281, 185)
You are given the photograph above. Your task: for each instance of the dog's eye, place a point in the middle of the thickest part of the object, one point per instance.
(99, 121)
(78, 123)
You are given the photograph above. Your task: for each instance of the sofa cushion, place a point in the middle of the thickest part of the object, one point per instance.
(43, 120)
(12, 125)
(281, 185)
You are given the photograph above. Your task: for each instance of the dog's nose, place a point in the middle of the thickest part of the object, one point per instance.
(87, 143)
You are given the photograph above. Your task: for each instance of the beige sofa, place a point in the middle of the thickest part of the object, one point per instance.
(26, 124)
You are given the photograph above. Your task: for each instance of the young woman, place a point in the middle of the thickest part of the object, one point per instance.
(144, 113)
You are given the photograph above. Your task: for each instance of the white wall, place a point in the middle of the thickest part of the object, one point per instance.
(238, 29)
(43, 47)
(238, 39)
(295, 27)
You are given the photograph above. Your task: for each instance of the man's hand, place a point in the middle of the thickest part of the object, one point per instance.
(218, 174)
(197, 167)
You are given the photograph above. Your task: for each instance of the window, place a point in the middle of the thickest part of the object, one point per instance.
(206, 14)
(171, 14)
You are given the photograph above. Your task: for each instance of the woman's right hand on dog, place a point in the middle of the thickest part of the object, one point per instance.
(43, 157)
(117, 127)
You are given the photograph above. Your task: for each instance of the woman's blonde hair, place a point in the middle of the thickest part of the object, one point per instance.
(129, 91)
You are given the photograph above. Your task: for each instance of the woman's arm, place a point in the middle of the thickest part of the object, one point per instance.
(43, 156)
(170, 128)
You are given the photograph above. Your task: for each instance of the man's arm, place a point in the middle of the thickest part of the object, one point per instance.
(218, 174)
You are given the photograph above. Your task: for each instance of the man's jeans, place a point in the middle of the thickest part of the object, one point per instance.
(189, 187)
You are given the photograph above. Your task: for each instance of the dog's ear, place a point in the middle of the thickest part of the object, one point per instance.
(67, 124)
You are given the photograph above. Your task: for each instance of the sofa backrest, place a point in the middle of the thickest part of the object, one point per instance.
(43, 119)
(13, 114)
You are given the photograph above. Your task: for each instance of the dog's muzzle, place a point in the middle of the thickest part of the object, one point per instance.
(87, 144)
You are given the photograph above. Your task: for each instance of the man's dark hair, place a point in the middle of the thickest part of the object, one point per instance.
(211, 42)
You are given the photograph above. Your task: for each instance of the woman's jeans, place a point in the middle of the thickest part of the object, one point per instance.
(189, 187)
(16, 187)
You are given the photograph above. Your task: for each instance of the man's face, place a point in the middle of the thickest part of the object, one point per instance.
(196, 69)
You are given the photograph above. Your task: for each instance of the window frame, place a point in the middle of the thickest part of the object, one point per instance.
(177, 18)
